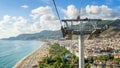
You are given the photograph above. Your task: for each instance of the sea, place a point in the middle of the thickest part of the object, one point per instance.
(11, 52)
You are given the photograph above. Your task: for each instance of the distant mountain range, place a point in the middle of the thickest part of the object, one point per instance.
(43, 35)
(113, 31)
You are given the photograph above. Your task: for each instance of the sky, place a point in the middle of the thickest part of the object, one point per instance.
(32, 16)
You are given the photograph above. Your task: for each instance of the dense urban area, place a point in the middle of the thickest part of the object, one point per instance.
(98, 52)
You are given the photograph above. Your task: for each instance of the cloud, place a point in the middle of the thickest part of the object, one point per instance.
(71, 11)
(92, 11)
(6, 19)
(35, 13)
(36, 27)
(103, 11)
(12, 26)
(43, 19)
(46, 17)
(25, 6)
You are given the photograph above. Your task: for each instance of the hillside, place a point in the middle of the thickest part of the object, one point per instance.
(113, 31)
(46, 34)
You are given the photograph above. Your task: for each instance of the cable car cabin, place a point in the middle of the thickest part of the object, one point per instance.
(74, 27)
(97, 31)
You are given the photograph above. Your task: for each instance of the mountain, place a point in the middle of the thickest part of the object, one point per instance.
(46, 34)
(113, 31)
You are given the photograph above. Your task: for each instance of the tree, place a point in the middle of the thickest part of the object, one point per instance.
(57, 58)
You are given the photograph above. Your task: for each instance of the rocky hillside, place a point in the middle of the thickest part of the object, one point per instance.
(113, 31)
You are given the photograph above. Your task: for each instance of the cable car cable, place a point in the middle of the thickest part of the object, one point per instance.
(57, 11)
(80, 10)
(81, 6)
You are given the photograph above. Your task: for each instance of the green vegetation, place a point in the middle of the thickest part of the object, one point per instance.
(105, 58)
(59, 57)
(87, 65)
(117, 59)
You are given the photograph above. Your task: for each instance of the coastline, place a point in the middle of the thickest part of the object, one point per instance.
(32, 58)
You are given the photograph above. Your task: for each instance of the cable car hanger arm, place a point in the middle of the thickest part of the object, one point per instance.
(86, 19)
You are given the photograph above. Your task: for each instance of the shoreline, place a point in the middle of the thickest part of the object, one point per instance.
(26, 57)
(36, 54)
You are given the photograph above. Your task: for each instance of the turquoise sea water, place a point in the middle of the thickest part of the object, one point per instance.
(12, 52)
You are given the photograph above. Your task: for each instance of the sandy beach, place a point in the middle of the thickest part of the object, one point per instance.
(32, 59)
(43, 51)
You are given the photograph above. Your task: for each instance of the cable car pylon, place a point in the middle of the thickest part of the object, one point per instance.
(68, 31)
